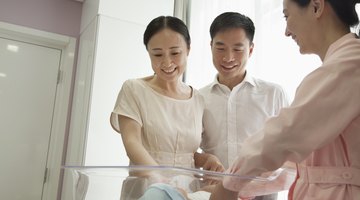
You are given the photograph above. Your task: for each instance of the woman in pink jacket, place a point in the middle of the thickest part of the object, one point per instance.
(320, 130)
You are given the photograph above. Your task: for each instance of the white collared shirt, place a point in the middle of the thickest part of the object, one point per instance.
(231, 116)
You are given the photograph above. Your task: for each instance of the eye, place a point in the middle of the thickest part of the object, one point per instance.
(220, 49)
(157, 55)
(239, 50)
(175, 53)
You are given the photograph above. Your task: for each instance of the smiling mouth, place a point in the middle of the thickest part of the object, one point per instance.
(169, 71)
(295, 39)
(228, 67)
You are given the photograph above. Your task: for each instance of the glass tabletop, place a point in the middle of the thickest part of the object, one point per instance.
(132, 182)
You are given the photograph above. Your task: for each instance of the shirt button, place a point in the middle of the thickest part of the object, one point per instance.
(346, 175)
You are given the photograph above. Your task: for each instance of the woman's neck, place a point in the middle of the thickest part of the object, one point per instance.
(174, 89)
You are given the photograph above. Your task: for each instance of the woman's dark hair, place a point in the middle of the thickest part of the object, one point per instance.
(163, 22)
(345, 10)
(229, 20)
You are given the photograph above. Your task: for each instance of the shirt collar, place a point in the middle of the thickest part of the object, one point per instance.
(247, 79)
(338, 43)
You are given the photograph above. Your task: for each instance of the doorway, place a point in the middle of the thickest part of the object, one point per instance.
(35, 76)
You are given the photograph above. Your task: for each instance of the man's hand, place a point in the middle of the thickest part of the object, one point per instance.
(212, 163)
(208, 161)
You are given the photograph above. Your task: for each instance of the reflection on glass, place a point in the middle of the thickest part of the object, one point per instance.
(12, 48)
(132, 182)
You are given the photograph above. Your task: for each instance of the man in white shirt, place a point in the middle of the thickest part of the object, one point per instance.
(236, 104)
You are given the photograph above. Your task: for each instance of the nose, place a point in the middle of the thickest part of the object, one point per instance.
(166, 62)
(228, 57)
(287, 32)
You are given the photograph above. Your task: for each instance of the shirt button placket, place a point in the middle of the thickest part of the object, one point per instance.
(232, 139)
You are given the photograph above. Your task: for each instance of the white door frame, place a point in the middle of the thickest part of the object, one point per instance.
(62, 99)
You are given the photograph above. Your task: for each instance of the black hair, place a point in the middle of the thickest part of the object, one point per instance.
(344, 9)
(229, 20)
(163, 22)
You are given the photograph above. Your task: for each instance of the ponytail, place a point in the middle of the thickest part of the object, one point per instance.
(346, 12)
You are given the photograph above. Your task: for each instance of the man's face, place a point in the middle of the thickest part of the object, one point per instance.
(230, 51)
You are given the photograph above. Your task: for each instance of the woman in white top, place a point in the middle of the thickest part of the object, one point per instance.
(159, 116)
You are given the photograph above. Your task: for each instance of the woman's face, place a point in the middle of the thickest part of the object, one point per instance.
(168, 54)
(300, 25)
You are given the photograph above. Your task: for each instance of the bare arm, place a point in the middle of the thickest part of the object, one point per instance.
(131, 136)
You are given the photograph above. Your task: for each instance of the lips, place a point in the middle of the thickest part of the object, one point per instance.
(228, 67)
(169, 71)
(295, 39)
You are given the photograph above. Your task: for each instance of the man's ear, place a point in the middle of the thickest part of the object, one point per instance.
(318, 6)
(251, 48)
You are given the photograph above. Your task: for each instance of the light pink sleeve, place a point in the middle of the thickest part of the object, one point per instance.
(325, 103)
(127, 105)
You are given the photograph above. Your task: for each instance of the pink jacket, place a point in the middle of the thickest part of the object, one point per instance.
(320, 131)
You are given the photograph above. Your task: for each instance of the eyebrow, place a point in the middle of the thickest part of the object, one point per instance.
(159, 49)
(221, 44)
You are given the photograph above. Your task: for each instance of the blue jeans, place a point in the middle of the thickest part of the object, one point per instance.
(161, 191)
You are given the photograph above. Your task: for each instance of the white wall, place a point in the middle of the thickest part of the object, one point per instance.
(136, 11)
(82, 96)
(127, 59)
